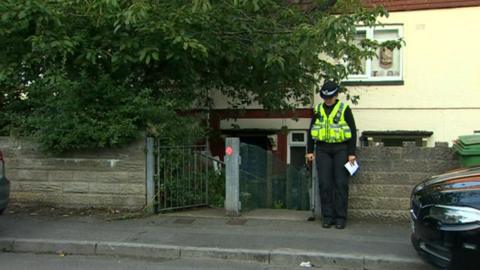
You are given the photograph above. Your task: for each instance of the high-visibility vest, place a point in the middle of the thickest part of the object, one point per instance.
(332, 128)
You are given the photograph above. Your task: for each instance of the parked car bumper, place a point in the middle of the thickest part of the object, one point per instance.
(440, 246)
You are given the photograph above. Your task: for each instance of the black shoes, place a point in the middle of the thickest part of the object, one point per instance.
(340, 224)
(327, 223)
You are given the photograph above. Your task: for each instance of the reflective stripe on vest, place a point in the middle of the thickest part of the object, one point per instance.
(332, 128)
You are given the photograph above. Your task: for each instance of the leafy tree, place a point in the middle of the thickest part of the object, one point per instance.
(90, 73)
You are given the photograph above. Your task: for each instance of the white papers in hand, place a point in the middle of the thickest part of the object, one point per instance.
(351, 168)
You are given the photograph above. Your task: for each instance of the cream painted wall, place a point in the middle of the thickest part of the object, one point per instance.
(276, 124)
(444, 123)
(441, 74)
(441, 56)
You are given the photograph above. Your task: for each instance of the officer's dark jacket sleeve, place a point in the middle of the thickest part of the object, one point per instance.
(309, 135)
(353, 128)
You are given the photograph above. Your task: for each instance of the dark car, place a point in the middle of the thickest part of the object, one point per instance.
(4, 186)
(445, 216)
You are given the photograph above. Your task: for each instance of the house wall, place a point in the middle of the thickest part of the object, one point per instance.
(111, 178)
(261, 121)
(441, 79)
(441, 90)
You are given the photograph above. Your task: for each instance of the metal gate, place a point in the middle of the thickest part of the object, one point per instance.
(180, 176)
(268, 182)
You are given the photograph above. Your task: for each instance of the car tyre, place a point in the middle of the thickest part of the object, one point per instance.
(1, 211)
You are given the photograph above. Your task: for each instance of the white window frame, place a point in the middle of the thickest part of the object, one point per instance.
(367, 77)
(292, 143)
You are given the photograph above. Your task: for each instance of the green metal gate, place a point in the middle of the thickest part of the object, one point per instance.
(179, 176)
(267, 182)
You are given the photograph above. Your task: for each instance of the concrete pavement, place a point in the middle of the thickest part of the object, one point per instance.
(271, 237)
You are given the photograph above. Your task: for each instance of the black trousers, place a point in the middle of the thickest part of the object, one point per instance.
(333, 180)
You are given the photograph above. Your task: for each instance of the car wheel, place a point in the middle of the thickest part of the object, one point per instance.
(1, 211)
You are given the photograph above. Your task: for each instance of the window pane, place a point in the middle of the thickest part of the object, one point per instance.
(382, 35)
(298, 137)
(361, 35)
(388, 62)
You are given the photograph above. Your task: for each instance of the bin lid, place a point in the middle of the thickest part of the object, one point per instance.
(463, 145)
(469, 150)
(469, 139)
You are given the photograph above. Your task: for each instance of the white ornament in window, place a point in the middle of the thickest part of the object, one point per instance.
(386, 58)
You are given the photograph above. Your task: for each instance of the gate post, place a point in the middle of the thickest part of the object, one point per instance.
(150, 168)
(232, 176)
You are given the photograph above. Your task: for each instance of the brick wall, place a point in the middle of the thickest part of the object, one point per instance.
(381, 189)
(107, 178)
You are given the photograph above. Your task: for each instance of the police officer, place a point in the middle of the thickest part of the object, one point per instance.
(333, 132)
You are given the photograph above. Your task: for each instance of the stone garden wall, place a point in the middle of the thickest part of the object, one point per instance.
(381, 189)
(116, 178)
(113, 178)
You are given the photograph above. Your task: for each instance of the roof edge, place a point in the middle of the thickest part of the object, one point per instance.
(415, 5)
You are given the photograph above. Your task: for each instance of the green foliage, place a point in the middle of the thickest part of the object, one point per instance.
(83, 114)
(85, 73)
(216, 188)
(278, 205)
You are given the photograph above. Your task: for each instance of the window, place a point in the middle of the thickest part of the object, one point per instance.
(388, 65)
(297, 148)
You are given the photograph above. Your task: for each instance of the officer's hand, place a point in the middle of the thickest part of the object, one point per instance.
(351, 159)
(309, 157)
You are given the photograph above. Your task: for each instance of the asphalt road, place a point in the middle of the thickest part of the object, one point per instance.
(15, 261)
